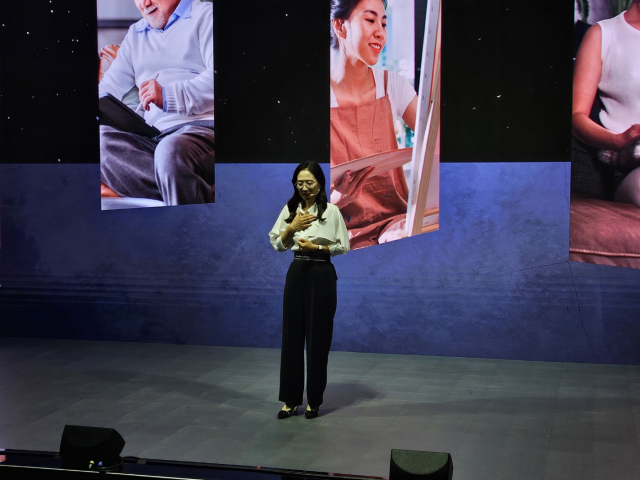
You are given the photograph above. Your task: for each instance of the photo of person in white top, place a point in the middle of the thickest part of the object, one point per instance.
(364, 103)
(314, 230)
(168, 56)
(607, 65)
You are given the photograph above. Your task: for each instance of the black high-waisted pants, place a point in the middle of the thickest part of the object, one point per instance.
(308, 309)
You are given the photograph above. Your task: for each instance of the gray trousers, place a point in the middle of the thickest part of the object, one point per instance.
(176, 167)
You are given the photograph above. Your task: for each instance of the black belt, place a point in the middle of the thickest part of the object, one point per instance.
(312, 256)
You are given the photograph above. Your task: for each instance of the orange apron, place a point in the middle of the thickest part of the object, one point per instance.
(359, 131)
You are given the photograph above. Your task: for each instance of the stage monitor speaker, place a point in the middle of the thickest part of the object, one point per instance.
(415, 465)
(90, 448)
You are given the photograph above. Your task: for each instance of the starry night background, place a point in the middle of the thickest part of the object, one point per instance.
(507, 70)
(272, 81)
(48, 82)
(506, 82)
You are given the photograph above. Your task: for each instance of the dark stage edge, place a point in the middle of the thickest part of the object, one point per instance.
(499, 419)
(27, 465)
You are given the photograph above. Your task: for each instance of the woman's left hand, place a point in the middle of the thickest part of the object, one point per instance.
(307, 245)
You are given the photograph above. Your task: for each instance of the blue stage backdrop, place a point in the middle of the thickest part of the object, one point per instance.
(494, 282)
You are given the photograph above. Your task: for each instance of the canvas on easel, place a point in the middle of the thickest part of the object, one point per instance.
(423, 204)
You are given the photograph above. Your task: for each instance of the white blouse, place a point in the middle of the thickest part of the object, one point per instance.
(332, 232)
(619, 84)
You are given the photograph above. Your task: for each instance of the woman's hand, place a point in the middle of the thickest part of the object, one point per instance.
(301, 222)
(627, 157)
(349, 186)
(307, 245)
(629, 135)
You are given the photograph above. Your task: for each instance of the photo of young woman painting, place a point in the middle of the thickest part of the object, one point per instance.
(366, 103)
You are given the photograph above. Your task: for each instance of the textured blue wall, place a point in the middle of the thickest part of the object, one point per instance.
(493, 282)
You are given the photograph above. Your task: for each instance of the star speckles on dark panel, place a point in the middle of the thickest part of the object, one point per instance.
(48, 82)
(272, 81)
(506, 81)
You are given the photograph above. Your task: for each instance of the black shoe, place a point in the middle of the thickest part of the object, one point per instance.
(311, 412)
(287, 413)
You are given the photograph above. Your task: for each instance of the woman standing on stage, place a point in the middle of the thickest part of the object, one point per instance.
(364, 101)
(315, 231)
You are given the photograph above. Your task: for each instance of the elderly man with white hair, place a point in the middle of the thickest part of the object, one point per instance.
(168, 55)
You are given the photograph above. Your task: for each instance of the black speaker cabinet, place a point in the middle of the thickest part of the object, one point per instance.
(84, 448)
(415, 465)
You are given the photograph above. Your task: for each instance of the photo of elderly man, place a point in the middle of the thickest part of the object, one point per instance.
(163, 72)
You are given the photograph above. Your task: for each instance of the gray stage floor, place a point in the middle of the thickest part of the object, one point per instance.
(498, 419)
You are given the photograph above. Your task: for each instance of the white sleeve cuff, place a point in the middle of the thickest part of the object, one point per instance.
(279, 246)
(335, 249)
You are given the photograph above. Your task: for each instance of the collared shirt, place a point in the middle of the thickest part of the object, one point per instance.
(331, 232)
(179, 57)
(183, 10)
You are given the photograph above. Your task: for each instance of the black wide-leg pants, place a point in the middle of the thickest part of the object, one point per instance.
(308, 310)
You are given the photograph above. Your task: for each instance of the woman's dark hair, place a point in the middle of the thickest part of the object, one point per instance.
(321, 197)
(342, 9)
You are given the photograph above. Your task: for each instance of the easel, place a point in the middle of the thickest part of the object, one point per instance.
(424, 189)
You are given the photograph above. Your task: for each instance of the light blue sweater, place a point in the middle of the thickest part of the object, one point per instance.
(180, 58)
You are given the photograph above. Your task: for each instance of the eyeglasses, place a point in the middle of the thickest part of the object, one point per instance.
(308, 183)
